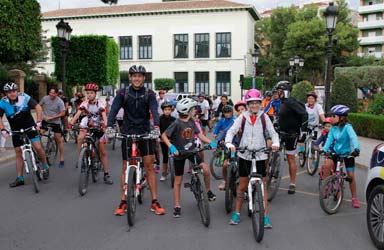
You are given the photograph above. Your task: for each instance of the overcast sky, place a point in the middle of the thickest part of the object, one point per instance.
(47, 5)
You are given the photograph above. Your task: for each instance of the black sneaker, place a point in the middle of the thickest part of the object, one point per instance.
(211, 196)
(45, 173)
(177, 212)
(291, 189)
(16, 183)
(107, 180)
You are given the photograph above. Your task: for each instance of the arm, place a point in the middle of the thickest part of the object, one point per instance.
(233, 130)
(352, 134)
(321, 112)
(329, 141)
(203, 138)
(39, 112)
(1, 120)
(218, 127)
(77, 115)
(117, 103)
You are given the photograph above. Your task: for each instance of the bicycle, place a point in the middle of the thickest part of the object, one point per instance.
(217, 161)
(231, 183)
(50, 144)
(256, 195)
(197, 184)
(310, 156)
(332, 188)
(73, 133)
(89, 160)
(30, 158)
(273, 174)
(135, 180)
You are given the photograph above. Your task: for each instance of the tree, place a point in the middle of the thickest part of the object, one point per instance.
(20, 31)
(343, 92)
(301, 89)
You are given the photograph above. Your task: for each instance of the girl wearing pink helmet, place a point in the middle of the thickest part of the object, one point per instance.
(240, 107)
(255, 126)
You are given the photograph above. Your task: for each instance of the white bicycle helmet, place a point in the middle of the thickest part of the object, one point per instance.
(184, 105)
(10, 86)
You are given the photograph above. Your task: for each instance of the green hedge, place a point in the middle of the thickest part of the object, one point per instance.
(164, 83)
(368, 125)
(301, 89)
(344, 92)
(91, 58)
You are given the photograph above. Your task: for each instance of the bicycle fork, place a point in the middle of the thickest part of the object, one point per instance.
(24, 150)
(252, 183)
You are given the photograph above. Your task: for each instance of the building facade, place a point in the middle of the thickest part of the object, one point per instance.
(204, 45)
(371, 27)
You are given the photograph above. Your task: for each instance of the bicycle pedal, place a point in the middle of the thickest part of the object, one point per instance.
(187, 185)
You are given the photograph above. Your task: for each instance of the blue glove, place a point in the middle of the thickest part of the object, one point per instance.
(173, 149)
(233, 154)
(213, 144)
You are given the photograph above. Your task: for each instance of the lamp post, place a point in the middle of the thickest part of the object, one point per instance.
(64, 34)
(255, 60)
(330, 16)
(295, 64)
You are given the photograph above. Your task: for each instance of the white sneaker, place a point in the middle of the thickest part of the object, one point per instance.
(163, 177)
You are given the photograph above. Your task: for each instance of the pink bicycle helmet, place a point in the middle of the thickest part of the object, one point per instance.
(253, 95)
(240, 103)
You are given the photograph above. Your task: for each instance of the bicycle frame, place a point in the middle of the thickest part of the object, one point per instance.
(255, 178)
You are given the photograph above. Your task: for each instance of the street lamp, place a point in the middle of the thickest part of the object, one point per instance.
(64, 34)
(255, 60)
(330, 16)
(295, 63)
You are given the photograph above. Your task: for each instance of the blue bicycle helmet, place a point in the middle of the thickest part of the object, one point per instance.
(340, 110)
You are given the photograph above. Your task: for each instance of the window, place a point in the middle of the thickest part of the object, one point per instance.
(181, 79)
(223, 83)
(145, 47)
(202, 45)
(202, 82)
(148, 80)
(181, 46)
(125, 47)
(223, 44)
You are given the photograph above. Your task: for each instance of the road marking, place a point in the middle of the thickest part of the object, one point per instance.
(317, 195)
(299, 173)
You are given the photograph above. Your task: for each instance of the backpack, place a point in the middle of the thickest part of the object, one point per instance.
(126, 94)
(263, 123)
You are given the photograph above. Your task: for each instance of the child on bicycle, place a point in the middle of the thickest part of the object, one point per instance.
(180, 136)
(165, 121)
(240, 107)
(219, 134)
(345, 143)
(257, 130)
(327, 124)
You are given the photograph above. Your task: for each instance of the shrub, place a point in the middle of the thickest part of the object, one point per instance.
(368, 125)
(377, 106)
(248, 82)
(301, 89)
(164, 83)
(344, 92)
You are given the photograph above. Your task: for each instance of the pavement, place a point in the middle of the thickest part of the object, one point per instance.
(366, 144)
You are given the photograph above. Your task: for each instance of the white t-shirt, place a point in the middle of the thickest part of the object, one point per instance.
(204, 105)
(314, 114)
(93, 111)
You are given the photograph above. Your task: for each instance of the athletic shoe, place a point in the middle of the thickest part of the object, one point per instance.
(45, 173)
(222, 186)
(267, 222)
(121, 209)
(211, 196)
(163, 176)
(355, 203)
(16, 183)
(107, 179)
(61, 164)
(291, 189)
(177, 212)
(155, 207)
(235, 219)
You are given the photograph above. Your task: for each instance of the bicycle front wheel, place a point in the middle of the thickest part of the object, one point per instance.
(35, 179)
(202, 200)
(83, 163)
(258, 213)
(274, 175)
(216, 165)
(331, 194)
(230, 189)
(131, 199)
(313, 161)
(51, 150)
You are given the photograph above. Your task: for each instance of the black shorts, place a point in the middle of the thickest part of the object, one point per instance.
(349, 163)
(146, 147)
(56, 128)
(290, 143)
(204, 123)
(245, 167)
(180, 162)
(164, 152)
(33, 135)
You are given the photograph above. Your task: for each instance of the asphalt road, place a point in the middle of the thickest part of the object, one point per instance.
(58, 218)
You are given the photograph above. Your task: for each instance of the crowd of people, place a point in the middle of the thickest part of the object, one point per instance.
(256, 121)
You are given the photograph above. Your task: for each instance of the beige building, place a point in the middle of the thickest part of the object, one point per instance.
(204, 45)
(371, 27)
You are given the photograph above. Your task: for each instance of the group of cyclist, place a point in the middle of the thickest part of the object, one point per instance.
(273, 121)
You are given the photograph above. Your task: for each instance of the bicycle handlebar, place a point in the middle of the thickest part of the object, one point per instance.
(194, 151)
(265, 150)
(22, 131)
(136, 137)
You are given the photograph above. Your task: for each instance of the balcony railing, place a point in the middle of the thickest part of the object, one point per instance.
(371, 40)
(371, 8)
(371, 24)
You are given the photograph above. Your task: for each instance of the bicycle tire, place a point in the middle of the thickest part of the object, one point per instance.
(230, 189)
(28, 159)
(330, 183)
(274, 175)
(303, 156)
(202, 200)
(84, 171)
(131, 199)
(95, 169)
(313, 162)
(215, 165)
(258, 213)
(171, 170)
(51, 150)
(38, 166)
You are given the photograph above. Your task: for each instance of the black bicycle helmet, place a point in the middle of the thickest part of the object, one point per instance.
(268, 93)
(283, 85)
(137, 69)
(227, 109)
(166, 105)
